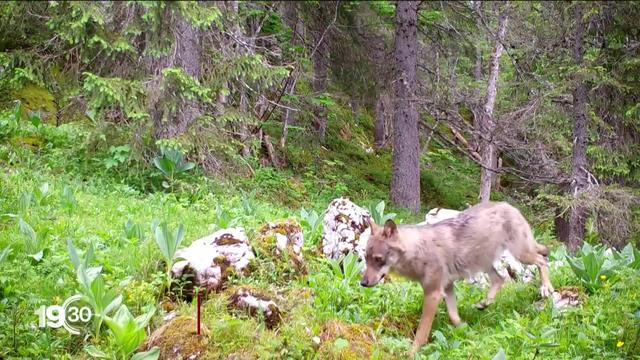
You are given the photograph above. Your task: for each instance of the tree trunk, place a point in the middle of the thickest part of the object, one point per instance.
(382, 107)
(320, 60)
(320, 70)
(290, 15)
(577, 216)
(186, 54)
(477, 76)
(380, 121)
(489, 159)
(405, 180)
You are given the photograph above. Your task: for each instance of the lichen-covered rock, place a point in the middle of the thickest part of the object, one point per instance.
(178, 339)
(253, 302)
(563, 298)
(282, 239)
(208, 259)
(345, 228)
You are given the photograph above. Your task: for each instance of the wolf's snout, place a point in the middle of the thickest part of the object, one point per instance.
(364, 283)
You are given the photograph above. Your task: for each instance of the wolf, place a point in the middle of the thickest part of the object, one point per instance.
(438, 254)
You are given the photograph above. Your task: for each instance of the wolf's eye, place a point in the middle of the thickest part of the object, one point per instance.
(378, 259)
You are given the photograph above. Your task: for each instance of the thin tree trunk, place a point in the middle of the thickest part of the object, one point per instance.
(380, 121)
(320, 60)
(287, 119)
(320, 71)
(240, 37)
(405, 180)
(477, 76)
(187, 55)
(488, 123)
(382, 101)
(577, 214)
(290, 14)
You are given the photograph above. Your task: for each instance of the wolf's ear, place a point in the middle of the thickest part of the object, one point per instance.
(390, 228)
(372, 224)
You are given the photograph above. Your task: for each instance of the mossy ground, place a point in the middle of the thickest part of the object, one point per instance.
(351, 321)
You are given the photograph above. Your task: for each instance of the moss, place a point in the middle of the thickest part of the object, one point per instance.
(36, 98)
(178, 339)
(27, 141)
(289, 264)
(360, 339)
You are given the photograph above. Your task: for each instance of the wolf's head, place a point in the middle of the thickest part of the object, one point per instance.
(382, 252)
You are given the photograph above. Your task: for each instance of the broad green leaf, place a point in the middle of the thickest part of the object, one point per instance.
(152, 354)
(95, 352)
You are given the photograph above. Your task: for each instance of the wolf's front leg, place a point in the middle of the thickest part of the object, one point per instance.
(429, 309)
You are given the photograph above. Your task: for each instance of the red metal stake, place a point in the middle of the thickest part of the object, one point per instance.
(198, 320)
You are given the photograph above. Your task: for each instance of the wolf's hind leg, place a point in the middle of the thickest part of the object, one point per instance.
(452, 307)
(496, 284)
(535, 258)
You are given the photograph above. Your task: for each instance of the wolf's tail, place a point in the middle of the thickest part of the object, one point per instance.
(542, 250)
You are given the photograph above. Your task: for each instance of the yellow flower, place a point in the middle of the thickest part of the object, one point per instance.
(620, 343)
(603, 277)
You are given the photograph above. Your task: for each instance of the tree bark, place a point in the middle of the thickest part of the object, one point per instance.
(186, 54)
(382, 110)
(477, 76)
(382, 101)
(489, 159)
(577, 215)
(320, 60)
(405, 180)
(290, 15)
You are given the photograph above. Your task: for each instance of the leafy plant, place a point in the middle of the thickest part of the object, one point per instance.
(34, 118)
(34, 242)
(171, 162)
(248, 206)
(67, 199)
(92, 286)
(224, 219)
(133, 230)
(94, 291)
(128, 333)
(85, 261)
(378, 215)
(347, 268)
(629, 256)
(4, 254)
(592, 266)
(42, 193)
(168, 242)
(25, 201)
(312, 221)
(117, 155)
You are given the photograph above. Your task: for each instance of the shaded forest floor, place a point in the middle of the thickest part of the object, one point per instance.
(350, 321)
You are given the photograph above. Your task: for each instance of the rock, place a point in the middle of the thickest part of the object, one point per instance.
(282, 237)
(178, 339)
(254, 303)
(208, 259)
(562, 299)
(345, 228)
(436, 215)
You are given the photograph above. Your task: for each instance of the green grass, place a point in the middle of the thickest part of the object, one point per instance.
(351, 321)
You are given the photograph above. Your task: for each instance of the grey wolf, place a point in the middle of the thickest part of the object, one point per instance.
(439, 254)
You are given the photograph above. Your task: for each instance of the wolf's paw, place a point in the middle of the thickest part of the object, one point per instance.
(546, 290)
(482, 305)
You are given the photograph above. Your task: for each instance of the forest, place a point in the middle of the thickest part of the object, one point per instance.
(199, 180)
